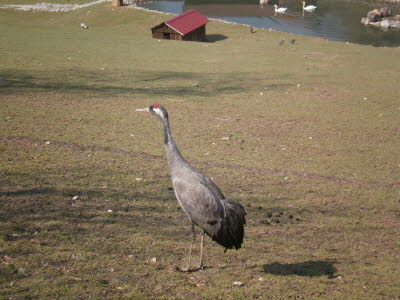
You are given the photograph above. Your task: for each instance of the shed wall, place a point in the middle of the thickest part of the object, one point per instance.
(163, 31)
(198, 34)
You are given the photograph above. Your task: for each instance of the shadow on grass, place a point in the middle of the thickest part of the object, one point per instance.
(308, 268)
(212, 38)
(68, 193)
(119, 83)
(71, 208)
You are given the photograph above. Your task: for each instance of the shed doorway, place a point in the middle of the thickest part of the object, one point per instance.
(166, 36)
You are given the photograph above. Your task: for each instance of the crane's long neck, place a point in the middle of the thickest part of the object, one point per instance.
(174, 157)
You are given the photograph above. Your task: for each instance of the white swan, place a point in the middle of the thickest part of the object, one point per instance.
(280, 9)
(308, 7)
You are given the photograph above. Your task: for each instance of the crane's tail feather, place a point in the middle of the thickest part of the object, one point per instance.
(231, 232)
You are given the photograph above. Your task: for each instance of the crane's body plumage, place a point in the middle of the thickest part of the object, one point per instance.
(220, 218)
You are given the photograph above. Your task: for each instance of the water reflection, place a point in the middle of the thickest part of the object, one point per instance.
(337, 20)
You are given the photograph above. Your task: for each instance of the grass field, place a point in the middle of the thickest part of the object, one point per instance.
(87, 209)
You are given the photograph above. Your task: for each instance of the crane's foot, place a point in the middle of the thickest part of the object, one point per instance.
(187, 269)
(199, 268)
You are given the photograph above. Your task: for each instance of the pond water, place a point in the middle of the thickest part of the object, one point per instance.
(337, 20)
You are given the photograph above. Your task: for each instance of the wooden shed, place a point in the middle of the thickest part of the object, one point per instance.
(189, 26)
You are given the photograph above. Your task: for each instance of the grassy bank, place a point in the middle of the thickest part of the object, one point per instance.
(87, 208)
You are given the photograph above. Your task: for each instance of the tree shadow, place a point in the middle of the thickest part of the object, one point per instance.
(212, 38)
(308, 268)
(115, 84)
(128, 83)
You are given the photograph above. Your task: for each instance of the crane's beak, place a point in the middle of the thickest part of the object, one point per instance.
(143, 109)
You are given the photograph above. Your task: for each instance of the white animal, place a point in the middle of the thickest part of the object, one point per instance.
(83, 25)
(280, 9)
(308, 7)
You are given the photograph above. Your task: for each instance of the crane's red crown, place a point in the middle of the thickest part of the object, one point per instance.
(155, 106)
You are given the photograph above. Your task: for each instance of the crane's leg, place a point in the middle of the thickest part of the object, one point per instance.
(187, 269)
(191, 246)
(201, 266)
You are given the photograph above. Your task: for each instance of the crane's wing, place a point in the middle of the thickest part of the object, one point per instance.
(212, 186)
(205, 180)
(202, 206)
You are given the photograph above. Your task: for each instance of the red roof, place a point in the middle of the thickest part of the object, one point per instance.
(187, 22)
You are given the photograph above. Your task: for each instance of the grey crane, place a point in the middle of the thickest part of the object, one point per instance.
(220, 218)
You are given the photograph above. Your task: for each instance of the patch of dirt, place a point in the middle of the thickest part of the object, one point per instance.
(278, 215)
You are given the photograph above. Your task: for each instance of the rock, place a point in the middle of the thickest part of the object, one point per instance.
(238, 283)
(384, 23)
(385, 11)
(374, 15)
(394, 22)
(382, 18)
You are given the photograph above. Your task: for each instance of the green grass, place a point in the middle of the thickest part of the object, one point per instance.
(316, 166)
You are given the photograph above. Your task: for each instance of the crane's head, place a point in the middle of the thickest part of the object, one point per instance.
(157, 110)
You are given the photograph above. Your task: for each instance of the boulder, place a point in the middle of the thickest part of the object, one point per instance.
(384, 23)
(385, 12)
(393, 22)
(374, 15)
